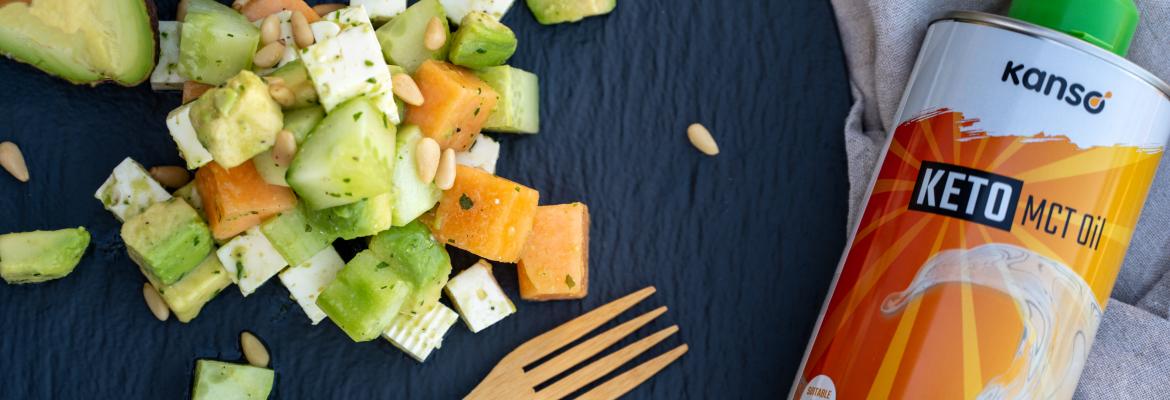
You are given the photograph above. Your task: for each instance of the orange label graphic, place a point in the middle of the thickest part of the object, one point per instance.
(981, 265)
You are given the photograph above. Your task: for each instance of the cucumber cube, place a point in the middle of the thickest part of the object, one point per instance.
(166, 73)
(300, 122)
(550, 12)
(347, 158)
(419, 335)
(402, 37)
(296, 78)
(217, 42)
(350, 64)
(250, 260)
(293, 237)
(188, 296)
(191, 195)
(478, 297)
(412, 196)
(481, 42)
(457, 9)
(483, 154)
(381, 10)
(307, 280)
(412, 253)
(518, 110)
(167, 240)
(354, 220)
(364, 298)
(39, 256)
(183, 132)
(130, 190)
(218, 380)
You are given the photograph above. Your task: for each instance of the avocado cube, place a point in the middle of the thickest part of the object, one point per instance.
(549, 12)
(349, 157)
(237, 121)
(483, 154)
(166, 73)
(167, 240)
(250, 260)
(402, 38)
(218, 380)
(307, 280)
(414, 255)
(412, 196)
(419, 335)
(364, 298)
(354, 220)
(481, 42)
(39, 256)
(183, 132)
(130, 190)
(457, 9)
(291, 234)
(350, 64)
(478, 297)
(188, 296)
(518, 110)
(216, 42)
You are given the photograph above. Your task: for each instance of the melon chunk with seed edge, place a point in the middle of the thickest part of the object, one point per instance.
(555, 263)
(238, 198)
(486, 215)
(457, 104)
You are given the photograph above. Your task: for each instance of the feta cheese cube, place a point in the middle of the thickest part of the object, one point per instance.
(306, 281)
(324, 30)
(483, 154)
(381, 10)
(457, 9)
(183, 132)
(130, 190)
(166, 72)
(478, 297)
(419, 335)
(250, 260)
(286, 37)
(351, 64)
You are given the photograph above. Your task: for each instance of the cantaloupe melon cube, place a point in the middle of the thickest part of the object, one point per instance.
(555, 262)
(457, 104)
(486, 215)
(238, 198)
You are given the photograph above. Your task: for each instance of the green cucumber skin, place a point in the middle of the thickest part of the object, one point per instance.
(402, 37)
(216, 42)
(482, 42)
(39, 256)
(351, 221)
(167, 240)
(294, 237)
(218, 380)
(365, 297)
(518, 110)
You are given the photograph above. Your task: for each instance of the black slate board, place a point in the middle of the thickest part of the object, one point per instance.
(741, 246)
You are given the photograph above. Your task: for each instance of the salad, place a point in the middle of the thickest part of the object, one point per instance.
(308, 125)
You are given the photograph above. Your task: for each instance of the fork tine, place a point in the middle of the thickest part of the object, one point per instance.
(605, 365)
(588, 348)
(550, 341)
(628, 380)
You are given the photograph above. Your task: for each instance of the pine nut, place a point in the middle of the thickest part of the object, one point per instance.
(269, 55)
(426, 159)
(702, 140)
(170, 176)
(435, 36)
(445, 177)
(405, 88)
(155, 301)
(285, 148)
(254, 351)
(302, 34)
(282, 94)
(181, 14)
(13, 161)
(270, 29)
(326, 8)
(239, 4)
(274, 80)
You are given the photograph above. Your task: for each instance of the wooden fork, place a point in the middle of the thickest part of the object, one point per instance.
(509, 380)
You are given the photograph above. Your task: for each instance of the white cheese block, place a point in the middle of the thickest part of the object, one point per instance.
(418, 336)
(478, 297)
(351, 64)
(457, 9)
(286, 37)
(251, 260)
(324, 30)
(130, 190)
(483, 154)
(166, 72)
(306, 281)
(183, 132)
(381, 10)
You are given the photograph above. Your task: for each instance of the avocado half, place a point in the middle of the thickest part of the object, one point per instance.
(82, 41)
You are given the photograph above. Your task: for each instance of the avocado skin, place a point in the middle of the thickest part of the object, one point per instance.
(26, 52)
(188, 296)
(167, 240)
(354, 220)
(39, 256)
(482, 42)
(238, 120)
(414, 255)
(549, 12)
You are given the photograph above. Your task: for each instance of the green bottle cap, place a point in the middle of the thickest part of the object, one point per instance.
(1108, 24)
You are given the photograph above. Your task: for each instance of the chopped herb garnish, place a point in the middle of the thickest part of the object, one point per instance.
(308, 228)
(346, 180)
(452, 241)
(231, 35)
(517, 189)
(382, 264)
(371, 80)
(239, 270)
(476, 112)
(357, 115)
(480, 51)
(465, 202)
(369, 63)
(569, 281)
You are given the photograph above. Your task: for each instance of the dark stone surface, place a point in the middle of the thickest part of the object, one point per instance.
(741, 246)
